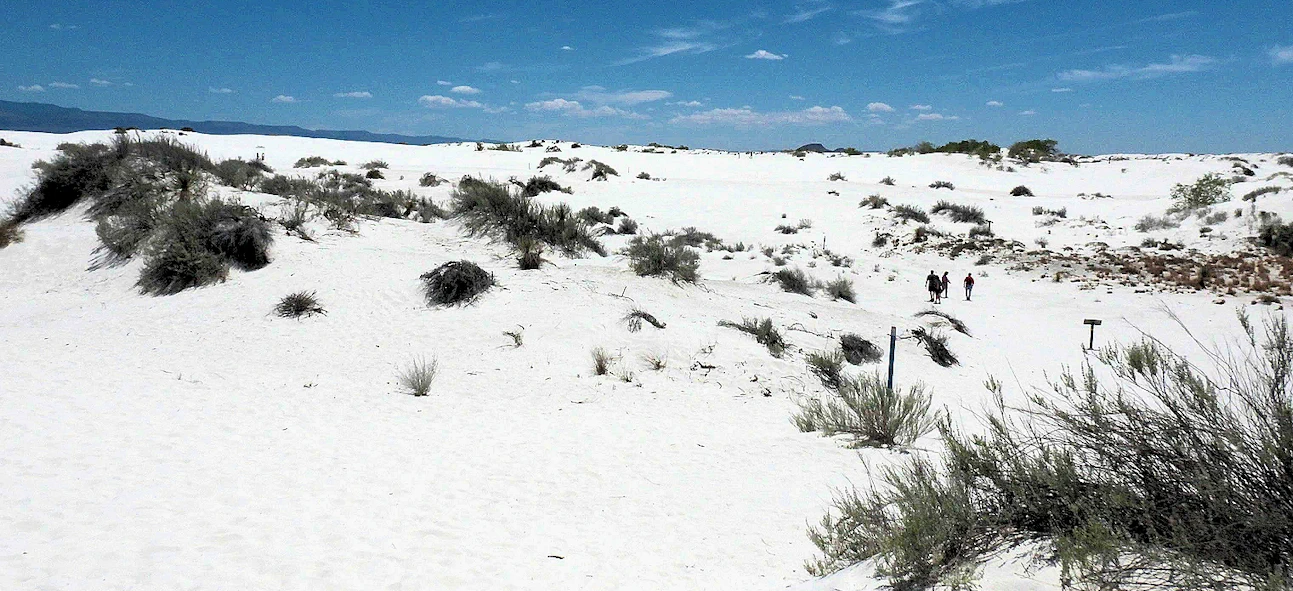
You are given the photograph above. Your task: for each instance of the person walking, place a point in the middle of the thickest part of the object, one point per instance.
(947, 285)
(935, 286)
(969, 285)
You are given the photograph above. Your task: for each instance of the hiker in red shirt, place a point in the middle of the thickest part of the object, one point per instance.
(969, 285)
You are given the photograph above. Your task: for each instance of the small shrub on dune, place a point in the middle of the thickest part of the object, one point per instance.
(504, 148)
(657, 255)
(644, 176)
(78, 171)
(196, 241)
(125, 232)
(1278, 237)
(374, 174)
(1021, 191)
(374, 165)
(963, 214)
(232, 230)
(430, 179)
(637, 316)
(888, 181)
(529, 254)
(828, 367)
(593, 215)
(794, 281)
(542, 184)
(298, 305)
(841, 289)
(1208, 190)
(981, 231)
(874, 202)
(416, 379)
(1285, 160)
(655, 361)
(936, 345)
(865, 408)
(1151, 223)
(763, 331)
(1255, 193)
(311, 162)
(169, 153)
(858, 350)
(490, 208)
(836, 176)
(910, 213)
(627, 226)
(602, 361)
(601, 170)
(1062, 212)
(177, 261)
(455, 283)
(956, 324)
(10, 233)
(293, 218)
(942, 185)
(241, 174)
(428, 211)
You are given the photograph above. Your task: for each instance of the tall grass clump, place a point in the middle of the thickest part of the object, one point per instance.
(874, 202)
(864, 408)
(964, 214)
(298, 305)
(841, 288)
(794, 281)
(858, 350)
(491, 209)
(942, 185)
(455, 283)
(241, 174)
(1141, 470)
(416, 379)
(828, 367)
(763, 331)
(658, 255)
(1151, 223)
(910, 213)
(602, 361)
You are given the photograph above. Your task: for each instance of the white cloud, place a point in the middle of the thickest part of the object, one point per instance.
(1281, 55)
(996, 104)
(764, 54)
(356, 94)
(222, 90)
(841, 39)
(32, 88)
(100, 82)
(490, 67)
(879, 108)
(807, 13)
(669, 48)
(576, 109)
(795, 97)
(61, 27)
(1028, 113)
(1177, 64)
(921, 108)
(1065, 89)
(444, 83)
(436, 100)
(747, 117)
(567, 48)
(283, 98)
(600, 96)
(62, 85)
(936, 117)
(464, 90)
(688, 103)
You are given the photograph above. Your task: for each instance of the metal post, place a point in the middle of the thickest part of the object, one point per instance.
(893, 347)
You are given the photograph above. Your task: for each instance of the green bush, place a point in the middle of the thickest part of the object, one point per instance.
(542, 184)
(942, 185)
(828, 367)
(241, 174)
(1034, 150)
(311, 162)
(794, 281)
(78, 171)
(910, 213)
(374, 165)
(1278, 237)
(964, 214)
(1209, 190)
(1151, 223)
(374, 174)
(659, 255)
(600, 170)
(490, 208)
(10, 233)
(841, 289)
(1141, 471)
(864, 408)
(874, 202)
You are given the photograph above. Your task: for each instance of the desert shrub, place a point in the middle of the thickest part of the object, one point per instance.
(1042, 242)
(880, 240)
(130, 227)
(960, 213)
(646, 176)
(655, 361)
(541, 184)
(1021, 191)
(794, 281)
(784, 229)
(1170, 477)
(296, 305)
(1208, 190)
(627, 226)
(241, 174)
(428, 211)
(981, 231)
(429, 179)
(8, 144)
(567, 163)
(1062, 212)
(828, 367)
(1285, 160)
(983, 260)
(1034, 150)
(696, 238)
(600, 170)
(504, 148)
(1213, 219)
(374, 174)
(1150, 223)
(455, 283)
(416, 379)
(858, 350)
(980, 148)
(311, 162)
(865, 408)
(490, 208)
(836, 176)
(888, 181)
(942, 185)
(910, 213)
(658, 255)
(763, 331)
(1254, 194)
(374, 165)
(1277, 236)
(936, 345)
(169, 153)
(178, 260)
(594, 215)
(637, 316)
(195, 242)
(10, 233)
(78, 171)
(529, 254)
(874, 202)
(955, 323)
(232, 230)
(841, 288)
(293, 218)
(602, 361)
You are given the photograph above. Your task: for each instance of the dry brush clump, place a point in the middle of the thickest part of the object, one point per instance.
(455, 283)
(1141, 470)
(794, 281)
(954, 322)
(960, 213)
(417, 377)
(298, 305)
(936, 346)
(763, 331)
(488, 208)
(864, 408)
(659, 255)
(634, 319)
(858, 350)
(910, 213)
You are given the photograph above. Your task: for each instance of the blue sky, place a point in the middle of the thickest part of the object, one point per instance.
(1099, 76)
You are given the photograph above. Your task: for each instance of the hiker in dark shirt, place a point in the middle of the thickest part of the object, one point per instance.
(935, 286)
(969, 285)
(947, 285)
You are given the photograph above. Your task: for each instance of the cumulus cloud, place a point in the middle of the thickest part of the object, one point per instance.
(1281, 54)
(764, 54)
(1028, 113)
(222, 90)
(576, 109)
(283, 98)
(921, 108)
(747, 117)
(1065, 89)
(435, 100)
(936, 117)
(1177, 64)
(100, 82)
(32, 88)
(567, 48)
(996, 104)
(688, 103)
(879, 108)
(356, 94)
(464, 90)
(444, 83)
(62, 85)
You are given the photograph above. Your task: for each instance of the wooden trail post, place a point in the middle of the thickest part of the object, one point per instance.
(1092, 323)
(893, 346)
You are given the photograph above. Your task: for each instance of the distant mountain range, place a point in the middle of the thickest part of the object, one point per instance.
(55, 119)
